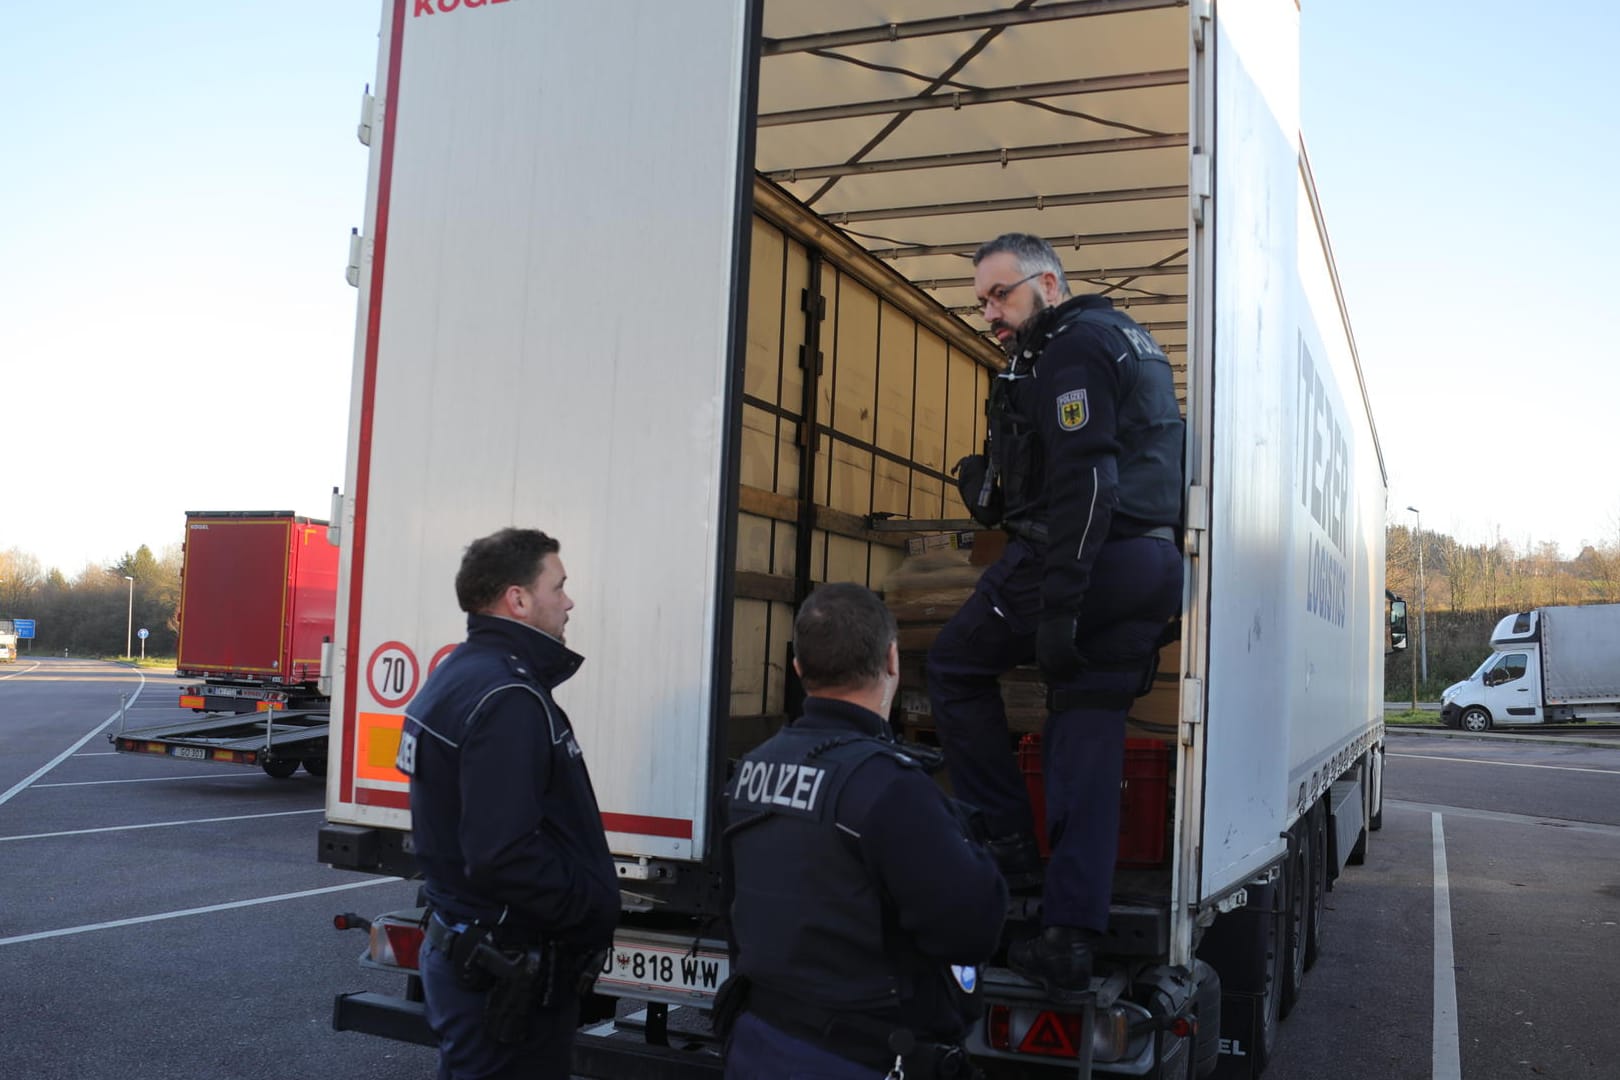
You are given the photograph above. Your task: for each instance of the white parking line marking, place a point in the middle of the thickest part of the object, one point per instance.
(1567, 824)
(159, 824)
(136, 921)
(1447, 1051)
(152, 779)
(64, 755)
(1514, 764)
(24, 671)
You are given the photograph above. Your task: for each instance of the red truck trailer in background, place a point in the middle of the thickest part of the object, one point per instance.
(257, 590)
(256, 601)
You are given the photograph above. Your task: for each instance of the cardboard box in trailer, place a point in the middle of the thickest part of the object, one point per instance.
(717, 333)
(1550, 665)
(257, 593)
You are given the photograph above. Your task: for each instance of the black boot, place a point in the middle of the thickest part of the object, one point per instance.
(1059, 958)
(1020, 861)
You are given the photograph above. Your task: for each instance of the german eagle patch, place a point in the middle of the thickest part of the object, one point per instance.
(1072, 411)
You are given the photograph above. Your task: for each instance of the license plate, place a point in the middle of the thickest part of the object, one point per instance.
(662, 967)
(194, 753)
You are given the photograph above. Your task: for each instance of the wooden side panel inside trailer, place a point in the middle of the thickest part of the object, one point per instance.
(892, 403)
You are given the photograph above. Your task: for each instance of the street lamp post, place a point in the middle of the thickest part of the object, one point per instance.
(1423, 611)
(129, 623)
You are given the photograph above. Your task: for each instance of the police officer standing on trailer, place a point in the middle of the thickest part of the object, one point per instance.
(505, 824)
(1084, 472)
(860, 903)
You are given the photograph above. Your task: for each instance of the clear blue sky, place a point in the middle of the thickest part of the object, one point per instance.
(175, 329)
(176, 333)
(1467, 156)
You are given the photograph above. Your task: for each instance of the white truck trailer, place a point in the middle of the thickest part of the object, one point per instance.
(687, 286)
(1550, 665)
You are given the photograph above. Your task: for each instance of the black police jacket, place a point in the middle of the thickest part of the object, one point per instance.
(855, 886)
(503, 816)
(1087, 435)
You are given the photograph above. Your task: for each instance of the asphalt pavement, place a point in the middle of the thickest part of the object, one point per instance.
(161, 919)
(1482, 937)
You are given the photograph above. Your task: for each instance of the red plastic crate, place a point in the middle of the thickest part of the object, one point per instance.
(1144, 799)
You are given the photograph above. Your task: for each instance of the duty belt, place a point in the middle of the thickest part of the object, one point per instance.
(442, 927)
(1036, 532)
(861, 1038)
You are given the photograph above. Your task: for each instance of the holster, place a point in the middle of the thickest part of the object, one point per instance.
(519, 981)
(730, 1002)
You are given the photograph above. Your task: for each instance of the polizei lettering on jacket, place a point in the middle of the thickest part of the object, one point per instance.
(773, 783)
(1324, 491)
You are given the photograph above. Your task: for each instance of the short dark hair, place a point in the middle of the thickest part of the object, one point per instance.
(1032, 253)
(841, 637)
(493, 563)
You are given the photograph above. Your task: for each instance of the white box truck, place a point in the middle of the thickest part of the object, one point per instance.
(687, 286)
(1550, 665)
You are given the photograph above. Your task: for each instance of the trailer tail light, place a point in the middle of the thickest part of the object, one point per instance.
(1049, 1033)
(396, 942)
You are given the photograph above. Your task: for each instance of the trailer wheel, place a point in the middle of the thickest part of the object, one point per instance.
(315, 766)
(1475, 718)
(1316, 897)
(279, 768)
(1296, 914)
(1271, 942)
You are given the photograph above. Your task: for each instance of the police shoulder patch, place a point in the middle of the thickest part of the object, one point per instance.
(1072, 411)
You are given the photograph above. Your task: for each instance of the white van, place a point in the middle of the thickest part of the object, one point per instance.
(1551, 665)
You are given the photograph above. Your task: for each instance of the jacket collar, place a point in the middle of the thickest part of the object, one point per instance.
(831, 714)
(1027, 346)
(552, 661)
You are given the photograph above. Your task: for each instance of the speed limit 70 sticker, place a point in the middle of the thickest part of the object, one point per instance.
(392, 674)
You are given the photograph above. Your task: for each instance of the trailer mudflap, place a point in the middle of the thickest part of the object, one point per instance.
(383, 1014)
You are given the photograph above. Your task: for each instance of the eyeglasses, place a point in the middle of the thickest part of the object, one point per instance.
(997, 294)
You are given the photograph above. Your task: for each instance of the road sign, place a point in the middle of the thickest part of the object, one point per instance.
(143, 633)
(25, 627)
(392, 673)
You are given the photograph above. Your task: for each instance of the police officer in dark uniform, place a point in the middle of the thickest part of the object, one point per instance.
(507, 833)
(1084, 472)
(861, 904)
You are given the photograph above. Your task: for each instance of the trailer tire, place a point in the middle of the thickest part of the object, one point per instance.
(1317, 896)
(1475, 718)
(315, 766)
(280, 768)
(1296, 884)
(1206, 1055)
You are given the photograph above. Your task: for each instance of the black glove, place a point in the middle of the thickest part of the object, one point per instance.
(1055, 650)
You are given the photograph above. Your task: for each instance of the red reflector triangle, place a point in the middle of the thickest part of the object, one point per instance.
(1047, 1036)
